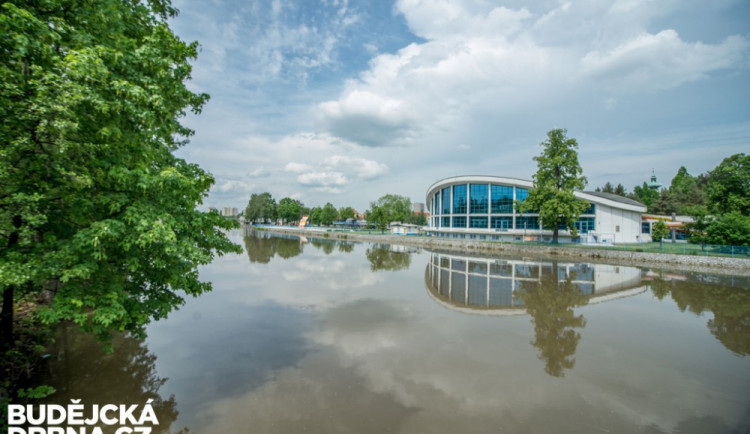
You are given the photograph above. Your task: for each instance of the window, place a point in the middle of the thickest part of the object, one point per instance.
(446, 222)
(527, 222)
(459, 199)
(585, 224)
(446, 200)
(591, 209)
(502, 223)
(521, 195)
(645, 228)
(459, 222)
(479, 198)
(502, 199)
(436, 204)
(478, 222)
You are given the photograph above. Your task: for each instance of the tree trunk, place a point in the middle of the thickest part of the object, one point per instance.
(6, 316)
(554, 234)
(6, 320)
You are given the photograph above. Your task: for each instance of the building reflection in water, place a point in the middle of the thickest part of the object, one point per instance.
(547, 291)
(493, 286)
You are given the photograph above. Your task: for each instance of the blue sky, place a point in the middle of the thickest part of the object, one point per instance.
(345, 101)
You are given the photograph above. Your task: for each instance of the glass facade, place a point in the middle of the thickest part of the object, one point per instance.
(479, 198)
(502, 223)
(446, 200)
(527, 222)
(478, 222)
(491, 207)
(502, 199)
(459, 199)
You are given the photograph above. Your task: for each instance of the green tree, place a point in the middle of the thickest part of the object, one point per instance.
(289, 209)
(620, 190)
(728, 186)
(557, 177)
(94, 205)
(347, 213)
(328, 214)
(729, 229)
(665, 204)
(645, 195)
(261, 207)
(389, 208)
(686, 191)
(659, 231)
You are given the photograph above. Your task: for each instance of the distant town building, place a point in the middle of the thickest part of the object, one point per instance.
(417, 208)
(229, 212)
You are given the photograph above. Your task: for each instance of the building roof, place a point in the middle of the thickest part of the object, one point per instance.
(615, 197)
(603, 198)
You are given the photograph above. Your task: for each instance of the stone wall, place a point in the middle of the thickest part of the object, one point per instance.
(709, 264)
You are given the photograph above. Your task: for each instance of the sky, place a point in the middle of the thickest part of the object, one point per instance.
(344, 101)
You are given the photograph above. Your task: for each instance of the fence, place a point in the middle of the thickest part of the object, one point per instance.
(680, 248)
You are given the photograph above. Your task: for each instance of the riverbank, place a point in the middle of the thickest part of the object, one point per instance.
(708, 264)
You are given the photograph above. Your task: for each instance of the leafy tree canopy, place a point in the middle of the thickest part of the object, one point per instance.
(728, 186)
(557, 177)
(289, 209)
(347, 213)
(261, 207)
(94, 205)
(389, 208)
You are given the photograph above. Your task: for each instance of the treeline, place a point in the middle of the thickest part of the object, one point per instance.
(262, 207)
(718, 200)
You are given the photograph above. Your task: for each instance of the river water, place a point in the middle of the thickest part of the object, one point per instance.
(315, 335)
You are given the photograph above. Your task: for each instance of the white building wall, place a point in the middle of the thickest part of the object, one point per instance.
(623, 225)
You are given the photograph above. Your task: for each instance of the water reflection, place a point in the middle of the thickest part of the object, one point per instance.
(388, 257)
(80, 368)
(548, 291)
(727, 297)
(494, 286)
(550, 302)
(262, 246)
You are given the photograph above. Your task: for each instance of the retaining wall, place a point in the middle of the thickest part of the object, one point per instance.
(712, 264)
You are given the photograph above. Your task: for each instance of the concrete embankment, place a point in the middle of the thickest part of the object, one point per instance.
(708, 264)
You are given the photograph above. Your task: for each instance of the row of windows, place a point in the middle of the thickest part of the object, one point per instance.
(583, 225)
(454, 200)
(481, 198)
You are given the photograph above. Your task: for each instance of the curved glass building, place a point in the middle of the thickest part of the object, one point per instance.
(482, 207)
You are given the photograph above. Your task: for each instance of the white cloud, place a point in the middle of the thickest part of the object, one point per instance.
(661, 61)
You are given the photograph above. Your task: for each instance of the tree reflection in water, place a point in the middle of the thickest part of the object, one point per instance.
(261, 247)
(727, 297)
(80, 368)
(550, 303)
(381, 257)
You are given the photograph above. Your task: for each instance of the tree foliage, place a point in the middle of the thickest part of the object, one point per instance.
(325, 215)
(347, 213)
(728, 186)
(389, 208)
(557, 177)
(645, 195)
(289, 209)
(261, 207)
(94, 205)
(659, 231)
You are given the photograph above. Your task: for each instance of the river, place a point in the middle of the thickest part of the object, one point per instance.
(316, 335)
